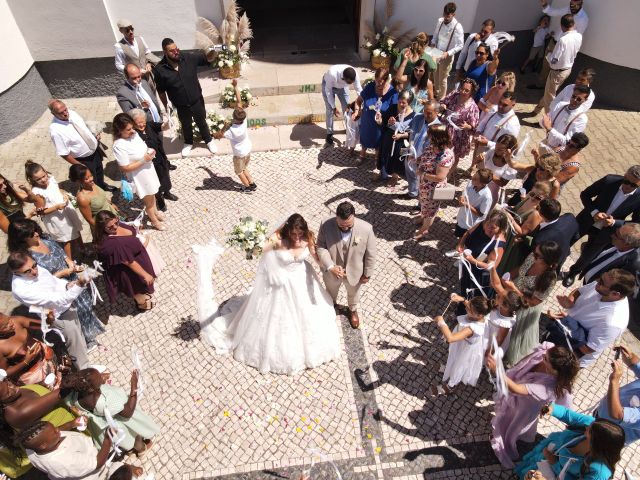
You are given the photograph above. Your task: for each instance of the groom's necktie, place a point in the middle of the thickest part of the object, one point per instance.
(599, 262)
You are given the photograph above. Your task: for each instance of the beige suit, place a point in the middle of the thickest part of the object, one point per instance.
(356, 255)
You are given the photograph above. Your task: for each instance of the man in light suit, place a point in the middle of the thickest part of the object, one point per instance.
(347, 250)
(136, 93)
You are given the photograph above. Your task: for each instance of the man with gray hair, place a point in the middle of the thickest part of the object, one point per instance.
(75, 142)
(136, 93)
(133, 49)
(607, 204)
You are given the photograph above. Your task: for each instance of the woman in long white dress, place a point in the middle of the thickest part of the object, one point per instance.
(287, 323)
(135, 160)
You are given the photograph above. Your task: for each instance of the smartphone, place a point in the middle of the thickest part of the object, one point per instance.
(618, 352)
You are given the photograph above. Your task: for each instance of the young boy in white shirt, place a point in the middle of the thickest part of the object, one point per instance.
(238, 135)
(475, 201)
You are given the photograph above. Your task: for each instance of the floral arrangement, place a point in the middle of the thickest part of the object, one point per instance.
(249, 235)
(382, 45)
(215, 122)
(234, 34)
(228, 97)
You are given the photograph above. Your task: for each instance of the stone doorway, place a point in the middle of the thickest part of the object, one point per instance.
(303, 27)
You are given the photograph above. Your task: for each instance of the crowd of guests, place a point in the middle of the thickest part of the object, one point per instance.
(513, 242)
(60, 415)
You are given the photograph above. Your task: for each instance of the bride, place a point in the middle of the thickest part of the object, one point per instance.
(287, 322)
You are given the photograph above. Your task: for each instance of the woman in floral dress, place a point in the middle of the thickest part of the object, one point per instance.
(465, 114)
(433, 168)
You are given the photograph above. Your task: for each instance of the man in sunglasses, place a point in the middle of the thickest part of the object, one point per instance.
(39, 290)
(566, 119)
(133, 49)
(607, 204)
(495, 123)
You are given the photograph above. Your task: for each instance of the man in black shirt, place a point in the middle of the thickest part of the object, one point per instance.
(176, 76)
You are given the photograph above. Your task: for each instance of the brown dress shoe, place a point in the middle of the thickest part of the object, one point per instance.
(354, 320)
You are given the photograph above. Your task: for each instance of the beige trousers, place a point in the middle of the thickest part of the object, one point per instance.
(333, 287)
(554, 80)
(440, 78)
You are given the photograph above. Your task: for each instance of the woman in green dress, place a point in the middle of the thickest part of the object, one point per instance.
(97, 400)
(91, 198)
(524, 218)
(533, 281)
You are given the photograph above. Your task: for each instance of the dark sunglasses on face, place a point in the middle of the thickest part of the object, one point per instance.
(501, 82)
(128, 29)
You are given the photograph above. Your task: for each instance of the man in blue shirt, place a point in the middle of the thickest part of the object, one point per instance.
(622, 405)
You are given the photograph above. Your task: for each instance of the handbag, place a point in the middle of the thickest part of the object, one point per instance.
(447, 192)
(126, 190)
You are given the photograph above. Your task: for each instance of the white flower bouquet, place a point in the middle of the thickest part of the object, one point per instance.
(382, 45)
(249, 235)
(215, 122)
(228, 97)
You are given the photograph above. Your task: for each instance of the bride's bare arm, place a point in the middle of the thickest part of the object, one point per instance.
(272, 243)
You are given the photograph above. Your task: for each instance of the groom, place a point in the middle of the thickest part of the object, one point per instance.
(347, 250)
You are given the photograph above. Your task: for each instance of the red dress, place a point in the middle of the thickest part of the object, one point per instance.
(429, 162)
(113, 252)
(467, 112)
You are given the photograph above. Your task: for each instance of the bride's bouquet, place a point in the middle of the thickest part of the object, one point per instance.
(249, 235)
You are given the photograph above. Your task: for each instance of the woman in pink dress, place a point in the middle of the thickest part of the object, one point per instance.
(433, 168)
(464, 113)
(543, 377)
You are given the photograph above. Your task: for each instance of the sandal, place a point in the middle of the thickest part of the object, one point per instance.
(420, 235)
(159, 226)
(148, 303)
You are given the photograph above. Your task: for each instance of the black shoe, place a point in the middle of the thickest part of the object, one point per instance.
(172, 166)
(253, 187)
(109, 188)
(415, 208)
(329, 141)
(170, 196)
(243, 189)
(568, 280)
(160, 203)
(533, 86)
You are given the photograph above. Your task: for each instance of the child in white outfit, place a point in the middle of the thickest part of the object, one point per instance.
(540, 34)
(352, 127)
(466, 354)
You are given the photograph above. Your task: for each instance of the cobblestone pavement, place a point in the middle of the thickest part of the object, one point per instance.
(367, 412)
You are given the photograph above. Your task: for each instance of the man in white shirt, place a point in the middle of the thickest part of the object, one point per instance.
(582, 21)
(601, 308)
(136, 93)
(560, 62)
(38, 289)
(133, 49)
(75, 142)
(497, 122)
(585, 77)
(336, 81)
(64, 455)
(475, 202)
(566, 119)
(419, 141)
(448, 37)
(485, 35)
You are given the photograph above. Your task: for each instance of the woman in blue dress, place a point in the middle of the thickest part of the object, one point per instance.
(483, 71)
(588, 450)
(374, 101)
(26, 235)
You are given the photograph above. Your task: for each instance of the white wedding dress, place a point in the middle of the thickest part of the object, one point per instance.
(285, 324)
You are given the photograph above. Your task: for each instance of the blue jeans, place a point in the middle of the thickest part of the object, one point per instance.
(343, 96)
(410, 171)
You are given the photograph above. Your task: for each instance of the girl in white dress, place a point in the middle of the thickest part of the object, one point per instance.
(502, 317)
(59, 217)
(135, 160)
(287, 323)
(466, 354)
(495, 159)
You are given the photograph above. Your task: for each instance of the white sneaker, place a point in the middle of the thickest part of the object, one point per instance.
(186, 149)
(212, 146)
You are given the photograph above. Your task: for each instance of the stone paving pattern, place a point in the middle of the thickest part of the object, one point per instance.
(368, 411)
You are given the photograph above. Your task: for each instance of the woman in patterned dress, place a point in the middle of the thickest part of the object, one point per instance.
(465, 113)
(26, 235)
(433, 168)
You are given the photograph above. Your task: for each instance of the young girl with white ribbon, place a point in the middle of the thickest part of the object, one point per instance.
(352, 127)
(465, 342)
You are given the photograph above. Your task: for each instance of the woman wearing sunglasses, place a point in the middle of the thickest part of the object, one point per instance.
(482, 70)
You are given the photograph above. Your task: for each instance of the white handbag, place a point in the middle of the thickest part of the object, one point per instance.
(448, 192)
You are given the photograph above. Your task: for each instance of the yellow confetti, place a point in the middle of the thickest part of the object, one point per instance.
(321, 429)
(369, 436)
(298, 430)
(306, 394)
(317, 420)
(205, 446)
(309, 427)
(304, 419)
(226, 413)
(378, 449)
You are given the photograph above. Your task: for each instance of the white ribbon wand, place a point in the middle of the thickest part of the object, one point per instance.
(89, 274)
(523, 145)
(44, 326)
(501, 375)
(115, 433)
(137, 364)
(451, 117)
(464, 262)
(399, 127)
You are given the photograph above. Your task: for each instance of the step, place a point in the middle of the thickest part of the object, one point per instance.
(280, 76)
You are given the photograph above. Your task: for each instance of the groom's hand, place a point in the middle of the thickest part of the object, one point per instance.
(364, 279)
(338, 271)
